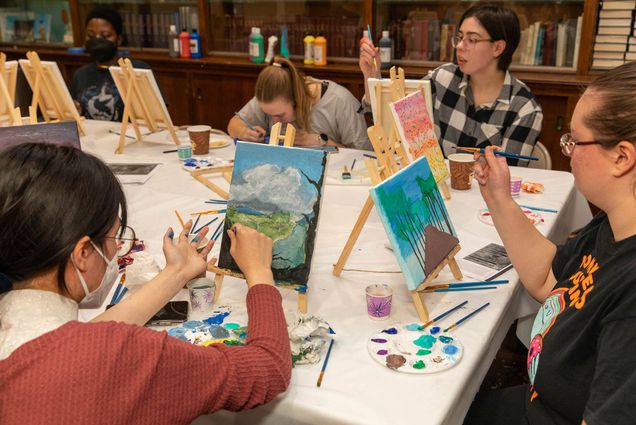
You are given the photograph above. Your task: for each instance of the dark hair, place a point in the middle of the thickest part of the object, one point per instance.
(108, 14)
(614, 115)
(50, 197)
(282, 79)
(501, 24)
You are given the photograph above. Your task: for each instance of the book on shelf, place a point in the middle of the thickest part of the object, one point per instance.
(608, 55)
(615, 14)
(618, 5)
(577, 40)
(630, 56)
(614, 30)
(619, 39)
(609, 47)
(607, 63)
(615, 22)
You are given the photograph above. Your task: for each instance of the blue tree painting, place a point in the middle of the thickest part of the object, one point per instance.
(277, 190)
(415, 219)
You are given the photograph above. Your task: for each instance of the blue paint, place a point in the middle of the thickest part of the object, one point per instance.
(390, 331)
(413, 327)
(217, 319)
(425, 341)
(379, 340)
(218, 332)
(450, 350)
(176, 332)
(192, 324)
(435, 330)
(445, 339)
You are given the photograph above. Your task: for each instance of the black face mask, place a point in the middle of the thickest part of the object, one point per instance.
(101, 49)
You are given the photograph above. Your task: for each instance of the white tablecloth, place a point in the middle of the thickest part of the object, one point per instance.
(355, 389)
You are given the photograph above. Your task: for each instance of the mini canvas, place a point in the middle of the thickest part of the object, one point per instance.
(416, 221)
(417, 133)
(277, 190)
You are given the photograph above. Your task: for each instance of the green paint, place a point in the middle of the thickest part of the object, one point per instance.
(425, 341)
(231, 326)
(419, 365)
(423, 352)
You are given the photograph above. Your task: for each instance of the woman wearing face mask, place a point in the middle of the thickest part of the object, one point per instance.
(63, 221)
(323, 112)
(92, 87)
(476, 101)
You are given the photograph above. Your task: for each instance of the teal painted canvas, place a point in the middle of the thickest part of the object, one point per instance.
(415, 219)
(277, 190)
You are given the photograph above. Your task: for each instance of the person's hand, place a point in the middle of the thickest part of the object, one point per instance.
(182, 255)
(252, 252)
(368, 52)
(256, 135)
(493, 175)
(304, 138)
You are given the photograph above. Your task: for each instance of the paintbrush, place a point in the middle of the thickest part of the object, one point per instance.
(180, 219)
(218, 230)
(470, 288)
(121, 283)
(441, 316)
(209, 212)
(206, 224)
(375, 64)
(498, 153)
(346, 175)
(468, 284)
(468, 316)
(324, 365)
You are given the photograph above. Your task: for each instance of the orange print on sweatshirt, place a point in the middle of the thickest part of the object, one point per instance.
(582, 282)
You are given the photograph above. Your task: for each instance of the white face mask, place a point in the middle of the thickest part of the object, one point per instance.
(96, 298)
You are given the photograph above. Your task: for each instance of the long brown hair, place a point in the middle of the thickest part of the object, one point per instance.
(282, 80)
(613, 118)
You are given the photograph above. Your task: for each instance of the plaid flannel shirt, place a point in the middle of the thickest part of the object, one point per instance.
(512, 122)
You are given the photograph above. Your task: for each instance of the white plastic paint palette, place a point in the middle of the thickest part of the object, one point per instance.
(408, 348)
(533, 216)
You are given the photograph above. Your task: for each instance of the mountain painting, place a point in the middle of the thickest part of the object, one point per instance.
(416, 221)
(277, 190)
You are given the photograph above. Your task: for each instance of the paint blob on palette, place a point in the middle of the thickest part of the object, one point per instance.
(534, 217)
(410, 349)
(216, 329)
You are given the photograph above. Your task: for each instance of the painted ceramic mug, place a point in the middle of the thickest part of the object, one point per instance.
(379, 299)
(201, 292)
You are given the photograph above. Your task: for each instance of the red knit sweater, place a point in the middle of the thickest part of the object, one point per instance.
(114, 373)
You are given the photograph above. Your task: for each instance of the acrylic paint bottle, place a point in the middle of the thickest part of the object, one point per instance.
(257, 46)
(320, 50)
(184, 44)
(309, 49)
(173, 44)
(386, 48)
(195, 45)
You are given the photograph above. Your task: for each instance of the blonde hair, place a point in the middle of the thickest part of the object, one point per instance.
(282, 80)
(613, 118)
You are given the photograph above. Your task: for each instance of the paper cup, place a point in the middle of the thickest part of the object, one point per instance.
(200, 139)
(184, 151)
(515, 185)
(201, 291)
(462, 168)
(379, 300)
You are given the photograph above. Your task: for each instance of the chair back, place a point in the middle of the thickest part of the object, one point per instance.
(541, 152)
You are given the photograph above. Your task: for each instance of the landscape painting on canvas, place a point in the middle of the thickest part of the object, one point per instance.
(277, 190)
(416, 221)
(417, 133)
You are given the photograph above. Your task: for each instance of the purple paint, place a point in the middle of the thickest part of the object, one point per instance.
(383, 352)
(379, 340)
(390, 331)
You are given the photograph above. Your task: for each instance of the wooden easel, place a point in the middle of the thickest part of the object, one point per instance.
(143, 104)
(288, 141)
(8, 112)
(226, 170)
(398, 91)
(49, 92)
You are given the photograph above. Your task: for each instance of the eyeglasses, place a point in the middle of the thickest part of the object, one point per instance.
(125, 240)
(568, 144)
(469, 41)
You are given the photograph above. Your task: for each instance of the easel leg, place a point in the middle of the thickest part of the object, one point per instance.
(353, 237)
(420, 306)
(457, 273)
(302, 301)
(218, 283)
(444, 188)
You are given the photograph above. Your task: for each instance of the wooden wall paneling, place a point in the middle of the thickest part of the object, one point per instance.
(176, 88)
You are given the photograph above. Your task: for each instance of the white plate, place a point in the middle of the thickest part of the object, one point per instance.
(534, 217)
(405, 348)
